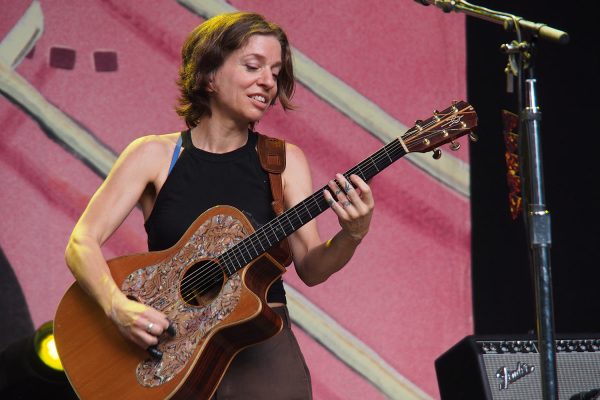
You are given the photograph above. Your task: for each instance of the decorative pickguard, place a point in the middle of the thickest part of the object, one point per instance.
(159, 286)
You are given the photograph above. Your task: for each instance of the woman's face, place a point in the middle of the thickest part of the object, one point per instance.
(245, 85)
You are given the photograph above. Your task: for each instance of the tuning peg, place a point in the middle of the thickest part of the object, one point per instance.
(418, 124)
(473, 137)
(437, 154)
(454, 108)
(454, 146)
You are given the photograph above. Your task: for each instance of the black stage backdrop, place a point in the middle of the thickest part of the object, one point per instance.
(568, 89)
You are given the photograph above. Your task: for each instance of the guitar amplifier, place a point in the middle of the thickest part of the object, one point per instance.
(501, 368)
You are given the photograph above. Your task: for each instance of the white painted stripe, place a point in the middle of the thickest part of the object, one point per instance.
(349, 349)
(55, 123)
(22, 37)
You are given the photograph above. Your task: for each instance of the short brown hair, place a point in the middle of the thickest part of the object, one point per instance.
(206, 49)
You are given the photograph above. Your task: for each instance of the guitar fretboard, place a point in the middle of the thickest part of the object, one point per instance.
(274, 231)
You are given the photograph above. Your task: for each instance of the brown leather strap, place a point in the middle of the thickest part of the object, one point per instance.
(271, 152)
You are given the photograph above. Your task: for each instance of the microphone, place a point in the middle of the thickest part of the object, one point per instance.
(445, 5)
(507, 20)
(590, 395)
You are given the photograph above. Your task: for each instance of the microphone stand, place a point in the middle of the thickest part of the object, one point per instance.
(537, 219)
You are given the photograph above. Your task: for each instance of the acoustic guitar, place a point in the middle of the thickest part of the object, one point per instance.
(212, 286)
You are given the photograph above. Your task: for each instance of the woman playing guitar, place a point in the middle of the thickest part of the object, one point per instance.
(235, 66)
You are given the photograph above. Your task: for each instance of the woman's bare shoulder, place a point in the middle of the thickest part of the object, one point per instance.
(152, 146)
(294, 154)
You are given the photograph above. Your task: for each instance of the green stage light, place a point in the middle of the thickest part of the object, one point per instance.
(31, 369)
(45, 347)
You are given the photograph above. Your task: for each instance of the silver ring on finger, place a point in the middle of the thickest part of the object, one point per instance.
(149, 327)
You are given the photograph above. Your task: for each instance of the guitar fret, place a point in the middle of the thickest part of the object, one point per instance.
(375, 165)
(241, 250)
(386, 153)
(228, 271)
(235, 259)
(232, 261)
(234, 268)
(243, 254)
(315, 201)
(228, 260)
(362, 174)
(252, 243)
(295, 208)
(304, 204)
(260, 242)
(290, 221)
(266, 235)
(282, 228)
(247, 252)
(274, 233)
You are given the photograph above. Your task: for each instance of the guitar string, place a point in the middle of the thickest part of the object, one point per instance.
(212, 270)
(249, 247)
(191, 279)
(209, 273)
(203, 278)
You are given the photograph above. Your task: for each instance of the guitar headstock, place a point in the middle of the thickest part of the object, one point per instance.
(443, 127)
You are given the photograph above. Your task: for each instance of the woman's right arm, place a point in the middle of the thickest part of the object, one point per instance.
(135, 168)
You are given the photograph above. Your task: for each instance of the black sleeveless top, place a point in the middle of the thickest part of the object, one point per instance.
(201, 180)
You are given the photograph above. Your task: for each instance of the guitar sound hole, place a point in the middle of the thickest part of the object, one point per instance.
(202, 283)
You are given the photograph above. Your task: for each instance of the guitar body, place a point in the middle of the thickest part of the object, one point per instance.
(212, 325)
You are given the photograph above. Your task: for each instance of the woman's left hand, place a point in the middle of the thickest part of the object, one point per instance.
(352, 204)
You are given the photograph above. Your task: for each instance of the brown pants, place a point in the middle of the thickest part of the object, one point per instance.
(272, 370)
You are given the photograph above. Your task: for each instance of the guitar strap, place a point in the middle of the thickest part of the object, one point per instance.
(271, 152)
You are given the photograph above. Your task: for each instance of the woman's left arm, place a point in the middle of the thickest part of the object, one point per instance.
(353, 204)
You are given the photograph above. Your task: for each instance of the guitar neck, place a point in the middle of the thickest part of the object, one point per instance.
(274, 231)
(443, 127)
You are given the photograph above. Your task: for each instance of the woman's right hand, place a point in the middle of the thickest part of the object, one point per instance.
(137, 322)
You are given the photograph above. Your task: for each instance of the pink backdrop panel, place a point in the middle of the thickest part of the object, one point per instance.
(406, 294)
